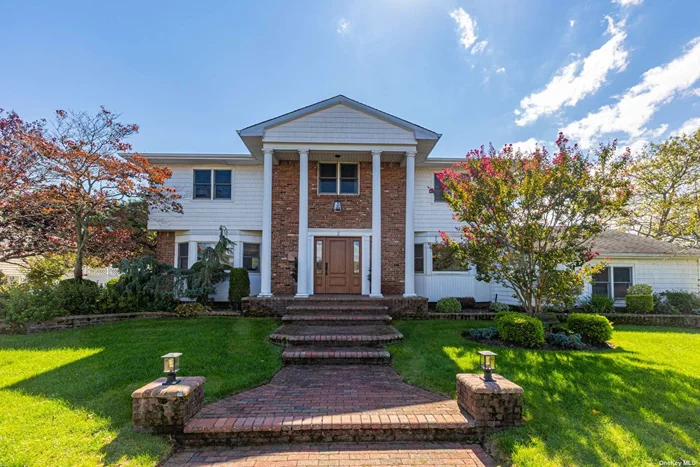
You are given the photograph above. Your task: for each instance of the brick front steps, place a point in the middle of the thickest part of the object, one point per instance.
(331, 403)
(336, 319)
(335, 335)
(336, 355)
(336, 309)
(340, 454)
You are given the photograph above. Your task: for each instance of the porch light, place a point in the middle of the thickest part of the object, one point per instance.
(171, 365)
(488, 364)
(337, 207)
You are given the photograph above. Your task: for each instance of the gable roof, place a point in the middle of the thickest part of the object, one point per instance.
(259, 128)
(616, 243)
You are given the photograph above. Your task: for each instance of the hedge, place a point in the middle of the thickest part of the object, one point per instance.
(594, 329)
(238, 286)
(520, 329)
(639, 303)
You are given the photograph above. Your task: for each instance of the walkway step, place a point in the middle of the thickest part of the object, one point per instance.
(337, 319)
(335, 335)
(345, 454)
(337, 308)
(336, 355)
(331, 403)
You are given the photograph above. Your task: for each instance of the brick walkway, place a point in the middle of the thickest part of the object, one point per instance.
(330, 397)
(336, 454)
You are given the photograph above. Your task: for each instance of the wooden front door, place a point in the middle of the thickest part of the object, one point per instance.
(337, 265)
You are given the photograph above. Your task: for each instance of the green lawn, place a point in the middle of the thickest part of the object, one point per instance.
(636, 405)
(66, 396)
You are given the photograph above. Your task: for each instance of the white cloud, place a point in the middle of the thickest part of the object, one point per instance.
(501, 70)
(639, 103)
(466, 27)
(688, 127)
(528, 145)
(692, 92)
(343, 26)
(571, 23)
(479, 47)
(579, 79)
(628, 2)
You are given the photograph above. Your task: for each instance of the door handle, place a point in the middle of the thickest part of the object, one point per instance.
(326, 268)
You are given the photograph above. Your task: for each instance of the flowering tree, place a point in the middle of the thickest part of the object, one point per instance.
(72, 206)
(527, 220)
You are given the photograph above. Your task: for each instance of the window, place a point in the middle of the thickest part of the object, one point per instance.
(338, 178)
(202, 184)
(418, 258)
(444, 259)
(222, 184)
(251, 256)
(183, 253)
(202, 247)
(617, 288)
(356, 257)
(438, 190)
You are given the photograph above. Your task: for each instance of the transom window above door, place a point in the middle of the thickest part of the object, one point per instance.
(338, 178)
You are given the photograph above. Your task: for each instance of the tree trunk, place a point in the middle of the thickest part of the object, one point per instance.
(80, 238)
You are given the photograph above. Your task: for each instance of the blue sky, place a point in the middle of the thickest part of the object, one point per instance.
(191, 73)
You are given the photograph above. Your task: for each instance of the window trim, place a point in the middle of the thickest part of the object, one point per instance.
(243, 256)
(212, 185)
(611, 279)
(338, 178)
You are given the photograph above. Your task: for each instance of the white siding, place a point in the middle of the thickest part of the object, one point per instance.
(243, 211)
(661, 273)
(13, 271)
(430, 215)
(339, 124)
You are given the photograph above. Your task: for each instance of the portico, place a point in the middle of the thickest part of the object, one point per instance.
(345, 170)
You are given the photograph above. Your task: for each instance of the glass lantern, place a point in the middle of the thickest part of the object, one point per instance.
(488, 364)
(171, 365)
(337, 207)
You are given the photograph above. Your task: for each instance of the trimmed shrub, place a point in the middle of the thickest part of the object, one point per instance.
(483, 333)
(191, 309)
(682, 302)
(498, 307)
(78, 297)
(597, 303)
(594, 329)
(448, 305)
(238, 286)
(564, 341)
(19, 304)
(520, 329)
(639, 303)
(640, 289)
(467, 302)
(502, 314)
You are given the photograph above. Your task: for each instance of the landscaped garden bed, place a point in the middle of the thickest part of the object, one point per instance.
(635, 404)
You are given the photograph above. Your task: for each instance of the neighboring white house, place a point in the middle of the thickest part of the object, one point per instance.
(17, 273)
(352, 182)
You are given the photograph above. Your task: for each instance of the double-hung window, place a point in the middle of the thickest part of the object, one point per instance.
(613, 282)
(203, 184)
(227, 257)
(438, 190)
(251, 256)
(183, 255)
(418, 258)
(338, 178)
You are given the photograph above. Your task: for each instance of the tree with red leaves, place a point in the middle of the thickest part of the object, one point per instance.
(71, 181)
(527, 220)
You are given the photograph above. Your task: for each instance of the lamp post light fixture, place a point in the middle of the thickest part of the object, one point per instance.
(171, 365)
(488, 364)
(337, 207)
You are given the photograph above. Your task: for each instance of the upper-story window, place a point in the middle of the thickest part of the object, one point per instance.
(338, 178)
(203, 184)
(438, 189)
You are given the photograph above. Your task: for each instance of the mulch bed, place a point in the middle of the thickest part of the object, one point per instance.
(546, 346)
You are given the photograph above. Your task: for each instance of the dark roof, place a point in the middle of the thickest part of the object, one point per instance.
(614, 242)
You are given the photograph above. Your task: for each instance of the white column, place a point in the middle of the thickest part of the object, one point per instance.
(302, 260)
(266, 247)
(409, 268)
(376, 284)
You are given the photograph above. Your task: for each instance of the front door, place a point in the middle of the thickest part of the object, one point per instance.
(337, 265)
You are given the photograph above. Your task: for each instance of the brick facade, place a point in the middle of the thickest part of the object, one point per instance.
(165, 247)
(356, 214)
